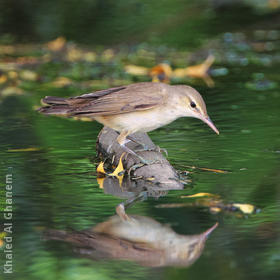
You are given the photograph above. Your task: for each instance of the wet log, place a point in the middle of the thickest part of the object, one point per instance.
(159, 173)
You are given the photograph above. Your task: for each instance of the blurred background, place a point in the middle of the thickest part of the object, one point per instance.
(127, 22)
(229, 50)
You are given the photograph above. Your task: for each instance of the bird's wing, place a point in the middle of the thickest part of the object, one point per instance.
(134, 97)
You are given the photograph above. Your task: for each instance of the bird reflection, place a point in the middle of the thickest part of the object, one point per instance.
(135, 238)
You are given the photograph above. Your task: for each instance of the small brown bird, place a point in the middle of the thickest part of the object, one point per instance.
(139, 107)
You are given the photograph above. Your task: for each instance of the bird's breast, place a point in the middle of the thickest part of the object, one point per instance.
(140, 121)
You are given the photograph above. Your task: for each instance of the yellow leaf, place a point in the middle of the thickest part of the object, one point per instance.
(245, 208)
(90, 56)
(28, 75)
(136, 70)
(213, 170)
(208, 169)
(200, 70)
(215, 209)
(161, 73)
(62, 82)
(74, 54)
(197, 71)
(11, 91)
(57, 44)
(34, 149)
(13, 75)
(199, 195)
(179, 73)
(108, 54)
(3, 79)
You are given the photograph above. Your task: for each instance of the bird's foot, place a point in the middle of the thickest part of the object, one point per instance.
(120, 210)
(100, 168)
(119, 170)
(161, 150)
(147, 148)
(143, 147)
(129, 151)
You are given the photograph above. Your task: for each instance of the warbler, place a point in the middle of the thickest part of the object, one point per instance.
(138, 107)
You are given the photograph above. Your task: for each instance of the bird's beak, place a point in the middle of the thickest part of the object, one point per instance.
(209, 231)
(208, 121)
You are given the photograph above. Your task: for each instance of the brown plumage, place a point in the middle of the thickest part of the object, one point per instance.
(140, 107)
(106, 102)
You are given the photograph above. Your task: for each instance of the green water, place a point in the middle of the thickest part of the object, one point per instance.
(56, 187)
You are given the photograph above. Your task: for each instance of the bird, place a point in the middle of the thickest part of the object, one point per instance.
(138, 107)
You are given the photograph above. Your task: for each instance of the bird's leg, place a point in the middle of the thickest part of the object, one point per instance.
(120, 209)
(131, 138)
(122, 140)
(160, 150)
(144, 146)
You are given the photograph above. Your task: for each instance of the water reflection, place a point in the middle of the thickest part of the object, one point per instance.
(135, 238)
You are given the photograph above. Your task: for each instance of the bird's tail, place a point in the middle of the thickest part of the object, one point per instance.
(55, 106)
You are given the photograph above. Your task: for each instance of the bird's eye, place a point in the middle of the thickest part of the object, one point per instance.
(193, 105)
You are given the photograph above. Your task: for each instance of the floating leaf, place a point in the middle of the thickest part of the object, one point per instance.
(197, 71)
(215, 209)
(161, 73)
(27, 60)
(108, 54)
(28, 75)
(57, 44)
(13, 75)
(208, 169)
(136, 70)
(3, 79)
(179, 73)
(11, 91)
(245, 208)
(90, 56)
(214, 203)
(200, 195)
(74, 54)
(62, 82)
(213, 170)
(32, 149)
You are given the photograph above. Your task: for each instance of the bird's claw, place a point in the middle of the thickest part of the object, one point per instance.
(147, 148)
(119, 170)
(160, 150)
(144, 148)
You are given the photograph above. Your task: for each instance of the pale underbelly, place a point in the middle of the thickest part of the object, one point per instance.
(141, 121)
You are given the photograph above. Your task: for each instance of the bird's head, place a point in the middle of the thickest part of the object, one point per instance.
(194, 105)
